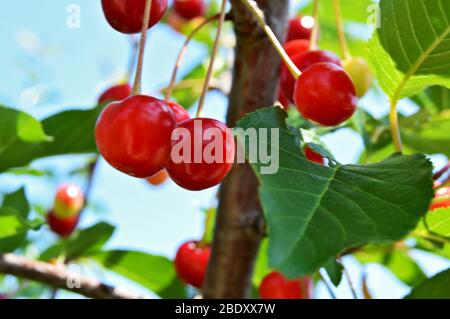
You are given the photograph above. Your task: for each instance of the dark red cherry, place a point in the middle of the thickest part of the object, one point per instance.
(295, 47)
(134, 135)
(313, 156)
(64, 227)
(179, 113)
(300, 28)
(325, 94)
(191, 263)
(276, 286)
(189, 9)
(116, 93)
(202, 153)
(304, 61)
(283, 100)
(127, 16)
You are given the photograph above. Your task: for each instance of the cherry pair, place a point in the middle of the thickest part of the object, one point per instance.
(134, 135)
(64, 217)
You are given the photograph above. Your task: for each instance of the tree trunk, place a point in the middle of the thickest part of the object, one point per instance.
(240, 222)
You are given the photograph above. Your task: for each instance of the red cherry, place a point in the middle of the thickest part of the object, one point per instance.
(179, 113)
(62, 226)
(313, 156)
(69, 200)
(295, 47)
(276, 286)
(325, 94)
(202, 167)
(304, 61)
(116, 93)
(283, 100)
(189, 9)
(134, 135)
(159, 178)
(300, 28)
(441, 199)
(191, 263)
(127, 16)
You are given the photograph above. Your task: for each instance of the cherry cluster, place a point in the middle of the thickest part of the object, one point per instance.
(134, 132)
(64, 217)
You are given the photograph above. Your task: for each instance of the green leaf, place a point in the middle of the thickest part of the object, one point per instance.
(437, 287)
(18, 201)
(175, 290)
(334, 270)
(409, 50)
(152, 272)
(427, 133)
(72, 132)
(18, 126)
(398, 261)
(315, 212)
(84, 243)
(12, 223)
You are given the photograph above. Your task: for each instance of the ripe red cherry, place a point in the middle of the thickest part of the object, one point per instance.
(202, 158)
(441, 199)
(134, 135)
(69, 200)
(295, 47)
(159, 178)
(276, 286)
(304, 61)
(116, 93)
(179, 113)
(325, 94)
(191, 263)
(189, 9)
(313, 156)
(300, 28)
(283, 100)
(64, 227)
(127, 16)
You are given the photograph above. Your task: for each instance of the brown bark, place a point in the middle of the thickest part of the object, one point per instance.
(59, 277)
(240, 222)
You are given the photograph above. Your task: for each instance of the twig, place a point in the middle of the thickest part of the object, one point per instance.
(350, 282)
(315, 30)
(252, 6)
(215, 49)
(60, 277)
(327, 285)
(138, 78)
(183, 53)
(441, 172)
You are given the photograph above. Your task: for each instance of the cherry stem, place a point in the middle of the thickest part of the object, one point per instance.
(145, 24)
(259, 16)
(315, 31)
(349, 280)
(183, 53)
(327, 285)
(341, 31)
(395, 127)
(441, 172)
(209, 219)
(215, 50)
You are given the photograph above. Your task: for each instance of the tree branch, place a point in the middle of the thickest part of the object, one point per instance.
(240, 223)
(60, 277)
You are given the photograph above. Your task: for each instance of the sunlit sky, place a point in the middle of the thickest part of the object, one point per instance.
(46, 67)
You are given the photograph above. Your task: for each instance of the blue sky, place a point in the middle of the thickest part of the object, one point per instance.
(46, 67)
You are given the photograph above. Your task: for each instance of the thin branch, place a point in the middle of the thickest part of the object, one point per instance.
(441, 172)
(183, 53)
(327, 285)
(145, 24)
(215, 50)
(349, 280)
(258, 14)
(60, 277)
(315, 31)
